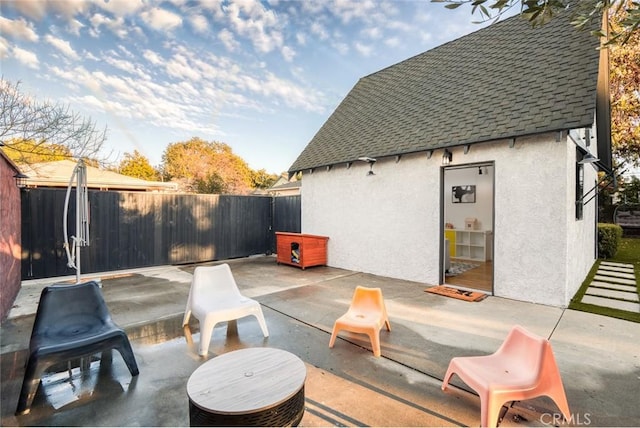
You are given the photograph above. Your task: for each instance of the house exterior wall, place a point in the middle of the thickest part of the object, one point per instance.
(582, 234)
(388, 224)
(10, 237)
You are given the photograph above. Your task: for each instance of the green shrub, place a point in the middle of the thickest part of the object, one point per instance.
(609, 236)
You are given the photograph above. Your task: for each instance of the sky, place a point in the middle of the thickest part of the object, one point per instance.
(260, 76)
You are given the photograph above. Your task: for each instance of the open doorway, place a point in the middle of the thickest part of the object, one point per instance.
(468, 220)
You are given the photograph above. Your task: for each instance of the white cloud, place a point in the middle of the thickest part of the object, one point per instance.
(121, 8)
(4, 48)
(372, 33)
(78, 75)
(341, 47)
(26, 57)
(393, 42)
(115, 84)
(126, 52)
(152, 57)
(18, 28)
(33, 9)
(250, 19)
(63, 46)
(75, 26)
(349, 10)
(179, 67)
(301, 38)
(364, 50)
(399, 26)
(121, 64)
(426, 37)
(292, 95)
(288, 54)
(161, 19)
(90, 56)
(199, 23)
(116, 26)
(214, 6)
(68, 8)
(39, 9)
(228, 40)
(319, 30)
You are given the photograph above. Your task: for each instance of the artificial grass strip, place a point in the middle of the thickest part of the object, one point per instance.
(607, 312)
(629, 253)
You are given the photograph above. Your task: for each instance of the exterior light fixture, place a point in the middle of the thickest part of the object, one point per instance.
(371, 161)
(588, 158)
(21, 180)
(447, 157)
(479, 170)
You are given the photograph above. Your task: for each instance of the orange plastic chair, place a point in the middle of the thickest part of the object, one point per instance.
(367, 314)
(522, 368)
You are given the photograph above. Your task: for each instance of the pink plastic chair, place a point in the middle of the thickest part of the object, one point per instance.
(366, 314)
(522, 368)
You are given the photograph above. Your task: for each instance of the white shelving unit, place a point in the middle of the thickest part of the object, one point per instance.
(473, 245)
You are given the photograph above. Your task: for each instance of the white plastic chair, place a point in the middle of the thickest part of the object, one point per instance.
(214, 297)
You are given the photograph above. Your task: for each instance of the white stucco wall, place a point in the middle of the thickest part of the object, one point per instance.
(582, 234)
(388, 224)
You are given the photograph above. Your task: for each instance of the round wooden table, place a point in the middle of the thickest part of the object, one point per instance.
(248, 387)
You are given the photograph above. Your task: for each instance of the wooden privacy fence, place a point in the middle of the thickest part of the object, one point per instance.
(135, 229)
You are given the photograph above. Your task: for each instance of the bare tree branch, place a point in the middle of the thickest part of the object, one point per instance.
(24, 119)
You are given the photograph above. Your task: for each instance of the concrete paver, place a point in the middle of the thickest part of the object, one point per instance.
(616, 294)
(616, 274)
(616, 268)
(615, 280)
(612, 303)
(619, 287)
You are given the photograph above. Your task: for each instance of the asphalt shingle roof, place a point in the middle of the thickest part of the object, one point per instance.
(506, 80)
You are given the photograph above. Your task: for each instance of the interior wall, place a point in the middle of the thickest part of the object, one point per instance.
(482, 209)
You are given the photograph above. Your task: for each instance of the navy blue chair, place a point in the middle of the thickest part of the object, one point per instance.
(72, 321)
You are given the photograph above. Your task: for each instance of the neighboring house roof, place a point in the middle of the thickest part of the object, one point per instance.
(58, 174)
(290, 187)
(281, 180)
(506, 80)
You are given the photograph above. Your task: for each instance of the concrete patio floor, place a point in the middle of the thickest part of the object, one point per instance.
(598, 357)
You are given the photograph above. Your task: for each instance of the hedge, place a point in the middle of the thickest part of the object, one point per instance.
(609, 236)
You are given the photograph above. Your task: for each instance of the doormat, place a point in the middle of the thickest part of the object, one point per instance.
(469, 296)
(457, 268)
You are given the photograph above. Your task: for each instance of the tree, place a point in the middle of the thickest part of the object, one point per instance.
(211, 184)
(30, 152)
(261, 179)
(630, 193)
(44, 125)
(539, 12)
(197, 162)
(137, 165)
(625, 94)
